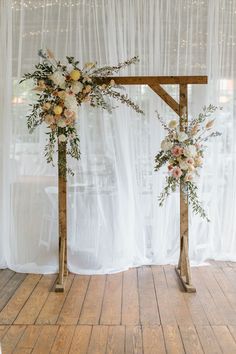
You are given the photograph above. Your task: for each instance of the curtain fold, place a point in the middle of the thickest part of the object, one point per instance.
(5, 125)
(114, 220)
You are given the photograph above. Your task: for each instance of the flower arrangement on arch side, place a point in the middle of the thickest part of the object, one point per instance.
(61, 89)
(183, 151)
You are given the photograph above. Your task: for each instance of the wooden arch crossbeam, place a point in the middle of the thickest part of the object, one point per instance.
(180, 108)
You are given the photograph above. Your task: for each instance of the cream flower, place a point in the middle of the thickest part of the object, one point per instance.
(71, 102)
(88, 89)
(61, 123)
(112, 82)
(62, 138)
(182, 136)
(198, 161)
(49, 119)
(166, 145)
(173, 124)
(77, 87)
(47, 106)
(58, 78)
(190, 151)
(183, 165)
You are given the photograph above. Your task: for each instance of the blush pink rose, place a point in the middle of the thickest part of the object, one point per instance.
(176, 172)
(170, 167)
(190, 161)
(177, 151)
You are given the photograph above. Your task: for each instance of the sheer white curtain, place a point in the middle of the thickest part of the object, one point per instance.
(114, 218)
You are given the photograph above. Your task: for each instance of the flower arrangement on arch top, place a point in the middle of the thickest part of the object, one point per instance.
(61, 89)
(183, 152)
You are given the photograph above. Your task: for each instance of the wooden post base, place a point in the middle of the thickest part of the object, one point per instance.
(61, 285)
(187, 287)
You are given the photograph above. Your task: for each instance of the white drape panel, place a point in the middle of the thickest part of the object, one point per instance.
(5, 125)
(114, 218)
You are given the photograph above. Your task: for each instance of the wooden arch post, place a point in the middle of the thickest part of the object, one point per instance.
(181, 107)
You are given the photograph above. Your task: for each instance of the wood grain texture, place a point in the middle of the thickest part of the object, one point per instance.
(190, 339)
(111, 307)
(130, 298)
(163, 296)
(116, 340)
(225, 339)
(133, 340)
(98, 341)
(28, 339)
(11, 338)
(5, 276)
(73, 304)
(152, 80)
(45, 340)
(153, 340)
(189, 323)
(11, 286)
(178, 304)
(173, 340)
(208, 340)
(34, 304)
(53, 305)
(147, 297)
(92, 305)
(63, 340)
(81, 339)
(17, 301)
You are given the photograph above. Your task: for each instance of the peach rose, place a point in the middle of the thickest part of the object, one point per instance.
(177, 151)
(188, 177)
(176, 172)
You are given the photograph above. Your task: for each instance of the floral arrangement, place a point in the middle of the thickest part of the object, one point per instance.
(61, 89)
(183, 151)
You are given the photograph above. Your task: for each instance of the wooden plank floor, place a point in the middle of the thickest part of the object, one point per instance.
(140, 311)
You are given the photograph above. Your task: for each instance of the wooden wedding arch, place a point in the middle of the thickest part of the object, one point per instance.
(154, 82)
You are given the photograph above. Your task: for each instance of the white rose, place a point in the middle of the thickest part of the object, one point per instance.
(71, 102)
(77, 87)
(58, 79)
(61, 123)
(190, 151)
(166, 145)
(173, 124)
(182, 136)
(62, 138)
(183, 165)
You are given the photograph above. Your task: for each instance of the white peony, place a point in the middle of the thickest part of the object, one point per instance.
(173, 124)
(58, 79)
(190, 151)
(77, 87)
(71, 102)
(62, 138)
(183, 165)
(182, 136)
(166, 145)
(61, 123)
